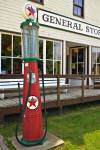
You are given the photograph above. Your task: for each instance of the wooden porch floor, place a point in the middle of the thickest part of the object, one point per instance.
(72, 94)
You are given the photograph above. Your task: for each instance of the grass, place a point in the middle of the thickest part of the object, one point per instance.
(76, 126)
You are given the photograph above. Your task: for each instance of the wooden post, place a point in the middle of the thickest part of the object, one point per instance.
(58, 90)
(59, 104)
(83, 88)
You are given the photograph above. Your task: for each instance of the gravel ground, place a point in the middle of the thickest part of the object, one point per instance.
(2, 144)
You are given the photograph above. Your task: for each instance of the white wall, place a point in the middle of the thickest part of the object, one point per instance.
(92, 12)
(68, 36)
(11, 17)
(11, 11)
(11, 14)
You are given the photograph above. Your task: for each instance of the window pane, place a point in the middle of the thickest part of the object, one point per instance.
(17, 66)
(39, 1)
(75, 10)
(78, 2)
(74, 68)
(49, 67)
(98, 69)
(49, 50)
(98, 50)
(78, 8)
(57, 67)
(95, 60)
(39, 69)
(6, 65)
(93, 63)
(57, 50)
(80, 55)
(79, 11)
(80, 68)
(16, 46)
(6, 45)
(98, 57)
(94, 49)
(41, 49)
(74, 56)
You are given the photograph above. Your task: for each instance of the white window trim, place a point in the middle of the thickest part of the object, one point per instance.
(12, 35)
(96, 58)
(44, 54)
(0, 53)
(85, 65)
(12, 54)
(85, 62)
(64, 57)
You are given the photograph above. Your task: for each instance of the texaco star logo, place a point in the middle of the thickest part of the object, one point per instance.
(29, 11)
(32, 102)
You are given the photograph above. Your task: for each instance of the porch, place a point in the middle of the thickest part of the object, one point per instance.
(56, 97)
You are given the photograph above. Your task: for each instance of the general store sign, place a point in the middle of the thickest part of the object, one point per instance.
(64, 23)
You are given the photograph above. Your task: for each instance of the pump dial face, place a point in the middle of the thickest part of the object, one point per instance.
(32, 102)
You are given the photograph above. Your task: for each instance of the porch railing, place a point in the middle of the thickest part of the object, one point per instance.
(82, 78)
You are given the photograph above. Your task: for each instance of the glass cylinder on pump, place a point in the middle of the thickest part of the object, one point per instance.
(30, 39)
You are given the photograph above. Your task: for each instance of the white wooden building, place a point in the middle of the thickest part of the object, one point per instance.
(69, 36)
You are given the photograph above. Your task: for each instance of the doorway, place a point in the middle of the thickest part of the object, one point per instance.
(77, 60)
(77, 64)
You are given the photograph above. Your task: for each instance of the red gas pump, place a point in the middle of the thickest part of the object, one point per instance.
(32, 121)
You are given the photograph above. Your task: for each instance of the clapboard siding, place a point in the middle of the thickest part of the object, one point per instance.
(11, 11)
(62, 7)
(10, 15)
(92, 12)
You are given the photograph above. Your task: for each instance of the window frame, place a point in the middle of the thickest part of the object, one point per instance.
(35, 1)
(12, 57)
(53, 60)
(96, 62)
(45, 59)
(77, 62)
(81, 7)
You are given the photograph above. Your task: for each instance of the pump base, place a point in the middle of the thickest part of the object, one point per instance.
(29, 143)
(51, 142)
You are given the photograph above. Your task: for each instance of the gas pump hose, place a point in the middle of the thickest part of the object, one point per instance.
(22, 110)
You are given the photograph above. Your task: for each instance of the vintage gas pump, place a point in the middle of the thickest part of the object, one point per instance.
(32, 121)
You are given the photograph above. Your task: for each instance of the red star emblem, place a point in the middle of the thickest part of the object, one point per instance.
(31, 11)
(32, 102)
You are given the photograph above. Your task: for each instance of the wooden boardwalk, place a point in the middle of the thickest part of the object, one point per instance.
(57, 98)
(71, 94)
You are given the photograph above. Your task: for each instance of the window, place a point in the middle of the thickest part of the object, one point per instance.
(52, 56)
(40, 53)
(95, 60)
(78, 8)
(38, 1)
(78, 63)
(11, 54)
(49, 57)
